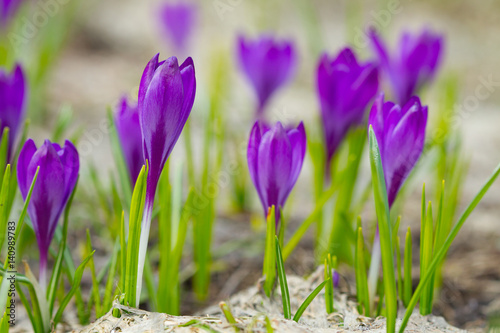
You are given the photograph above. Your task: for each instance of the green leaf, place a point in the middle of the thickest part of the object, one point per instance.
(38, 298)
(229, 316)
(269, 255)
(134, 235)
(407, 269)
(108, 291)
(74, 287)
(438, 257)
(308, 301)
(4, 193)
(428, 237)
(95, 284)
(4, 148)
(329, 286)
(361, 277)
(285, 295)
(384, 223)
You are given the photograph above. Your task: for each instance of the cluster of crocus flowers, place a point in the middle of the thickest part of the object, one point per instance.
(128, 129)
(268, 65)
(177, 22)
(13, 93)
(166, 97)
(400, 133)
(413, 65)
(57, 177)
(345, 88)
(275, 156)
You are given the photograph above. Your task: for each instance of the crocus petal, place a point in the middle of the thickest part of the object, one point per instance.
(71, 163)
(147, 76)
(177, 21)
(25, 156)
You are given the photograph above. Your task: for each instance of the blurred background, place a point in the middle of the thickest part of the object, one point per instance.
(86, 54)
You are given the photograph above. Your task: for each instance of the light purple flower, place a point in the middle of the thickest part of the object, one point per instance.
(400, 133)
(275, 156)
(414, 63)
(268, 65)
(8, 9)
(13, 93)
(345, 87)
(56, 180)
(177, 22)
(129, 133)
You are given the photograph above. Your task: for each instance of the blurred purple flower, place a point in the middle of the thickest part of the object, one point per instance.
(177, 21)
(166, 97)
(400, 133)
(129, 133)
(13, 93)
(413, 65)
(268, 64)
(275, 156)
(8, 9)
(345, 87)
(56, 180)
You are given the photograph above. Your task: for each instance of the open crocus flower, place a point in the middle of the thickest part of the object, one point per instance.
(129, 133)
(268, 65)
(177, 21)
(8, 9)
(275, 156)
(13, 92)
(345, 87)
(400, 133)
(413, 65)
(166, 97)
(56, 180)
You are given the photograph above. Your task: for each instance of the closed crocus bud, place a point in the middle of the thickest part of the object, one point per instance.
(13, 93)
(414, 63)
(275, 156)
(400, 133)
(345, 87)
(268, 65)
(166, 97)
(8, 9)
(177, 22)
(56, 180)
(129, 132)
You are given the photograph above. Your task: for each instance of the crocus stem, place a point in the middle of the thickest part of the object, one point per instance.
(145, 226)
(43, 271)
(374, 267)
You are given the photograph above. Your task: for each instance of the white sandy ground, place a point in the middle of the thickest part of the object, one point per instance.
(249, 307)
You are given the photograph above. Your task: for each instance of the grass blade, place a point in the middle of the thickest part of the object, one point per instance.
(285, 295)
(384, 223)
(407, 269)
(361, 277)
(442, 251)
(308, 301)
(269, 255)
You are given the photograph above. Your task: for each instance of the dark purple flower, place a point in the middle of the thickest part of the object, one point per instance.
(13, 93)
(166, 96)
(400, 133)
(177, 21)
(345, 87)
(413, 65)
(56, 180)
(268, 64)
(8, 9)
(129, 133)
(275, 156)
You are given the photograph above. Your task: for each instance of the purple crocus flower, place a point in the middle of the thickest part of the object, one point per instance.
(275, 156)
(8, 9)
(177, 21)
(400, 133)
(56, 180)
(413, 65)
(129, 133)
(268, 65)
(13, 93)
(345, 87)
(166, 97)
